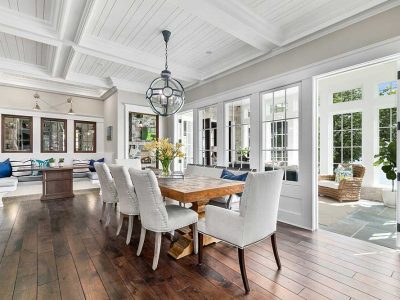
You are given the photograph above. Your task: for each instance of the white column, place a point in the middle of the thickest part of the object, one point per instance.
(255, 140)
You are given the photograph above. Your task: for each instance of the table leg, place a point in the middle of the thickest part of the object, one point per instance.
(184, 245)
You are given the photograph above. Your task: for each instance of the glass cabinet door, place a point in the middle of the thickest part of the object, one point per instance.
(85, 137)
(54, 135)
(143, 128)
(16, 133)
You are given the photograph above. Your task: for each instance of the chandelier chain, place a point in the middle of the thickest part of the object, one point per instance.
(166, 55)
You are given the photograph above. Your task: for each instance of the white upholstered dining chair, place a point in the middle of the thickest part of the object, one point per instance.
(155, 215)
(128, 203)
(255, 221)
(109, 193)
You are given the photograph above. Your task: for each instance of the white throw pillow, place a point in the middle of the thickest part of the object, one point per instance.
(80, 166)
(21, 167)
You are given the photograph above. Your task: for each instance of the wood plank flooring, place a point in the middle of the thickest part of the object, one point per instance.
(59, 250)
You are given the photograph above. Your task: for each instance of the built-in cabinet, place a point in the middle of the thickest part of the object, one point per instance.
(142, 129)
(16, 133)
(53, 135)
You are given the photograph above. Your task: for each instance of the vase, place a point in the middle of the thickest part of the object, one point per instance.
(166, 167)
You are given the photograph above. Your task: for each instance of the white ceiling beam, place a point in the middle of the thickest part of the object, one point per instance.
(127, 85)
(130, 57)
(235, 18)
(72, 12)
(28, 27)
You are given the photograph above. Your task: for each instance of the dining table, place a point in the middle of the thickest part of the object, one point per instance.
(198, 191)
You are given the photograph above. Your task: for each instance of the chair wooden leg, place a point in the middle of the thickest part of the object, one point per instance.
(195, 239)
(243, 270)
(157, 247)
(141, 241)
(130, 227)
(275, 249)
(200, 252)
(102, 211)
(120, 222)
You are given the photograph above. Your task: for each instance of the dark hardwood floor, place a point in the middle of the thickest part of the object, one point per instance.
(58, 249)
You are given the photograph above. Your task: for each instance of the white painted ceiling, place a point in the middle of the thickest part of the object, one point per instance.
(86, 47)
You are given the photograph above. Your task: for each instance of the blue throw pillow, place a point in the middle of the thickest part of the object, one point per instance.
(91, 164)
(5, 169)
(229, 175)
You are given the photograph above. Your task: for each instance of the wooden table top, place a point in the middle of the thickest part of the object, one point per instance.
(193, 189)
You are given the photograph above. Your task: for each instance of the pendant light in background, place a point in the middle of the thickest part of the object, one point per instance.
(70, 111)
(37, 98)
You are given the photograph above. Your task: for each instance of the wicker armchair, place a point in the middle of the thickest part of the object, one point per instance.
(347, 190)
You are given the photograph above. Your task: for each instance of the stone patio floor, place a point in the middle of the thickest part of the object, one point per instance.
(364, 220)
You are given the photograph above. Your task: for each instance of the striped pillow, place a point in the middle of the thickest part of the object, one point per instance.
(21, 168)
(80, 166)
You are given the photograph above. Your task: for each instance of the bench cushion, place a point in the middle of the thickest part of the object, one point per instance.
(8, 182)
(329, 184)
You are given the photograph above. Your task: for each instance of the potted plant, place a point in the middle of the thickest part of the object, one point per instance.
(387, 158)
(165, 152)
(52, 162)
(61, 162)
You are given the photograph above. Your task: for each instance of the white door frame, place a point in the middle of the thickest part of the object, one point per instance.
(315, 221)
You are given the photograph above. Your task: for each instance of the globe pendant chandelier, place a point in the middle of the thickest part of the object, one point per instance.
(165, 94)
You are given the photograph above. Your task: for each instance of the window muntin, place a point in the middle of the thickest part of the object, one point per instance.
(17, 133)
(208, 135)
(347, 95)
(387, 125)
(185, 137)
(237, 134)
(347, 138)
(85, 136)
(280, 131)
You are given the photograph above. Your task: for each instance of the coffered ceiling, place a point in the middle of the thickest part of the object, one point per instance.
(86, 47)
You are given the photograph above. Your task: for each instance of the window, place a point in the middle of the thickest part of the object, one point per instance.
(348, 95)
(185, 136)
(16, 133)
(54, 135)
(387, 125)
(237, 137)
(85, 137)
(208, 135)
(347, 138)
(387, 88)
(280, 131)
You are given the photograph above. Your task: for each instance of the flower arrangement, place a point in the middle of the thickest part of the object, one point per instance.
(165, 152)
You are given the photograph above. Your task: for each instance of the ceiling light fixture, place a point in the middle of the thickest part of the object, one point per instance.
(37, 98)
(166, 94)
(70, 111)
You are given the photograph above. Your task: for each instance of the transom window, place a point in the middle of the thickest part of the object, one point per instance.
(208, 135)
(280, 131)
(388, 88)
(347, 96)
(347, 138)
(237, 137)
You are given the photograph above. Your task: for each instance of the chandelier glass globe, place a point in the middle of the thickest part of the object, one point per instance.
(166, 95)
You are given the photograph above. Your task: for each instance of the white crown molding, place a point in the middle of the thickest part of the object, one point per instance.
(128, 86)
(362, 16)
(384, 51)
(51, 85)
